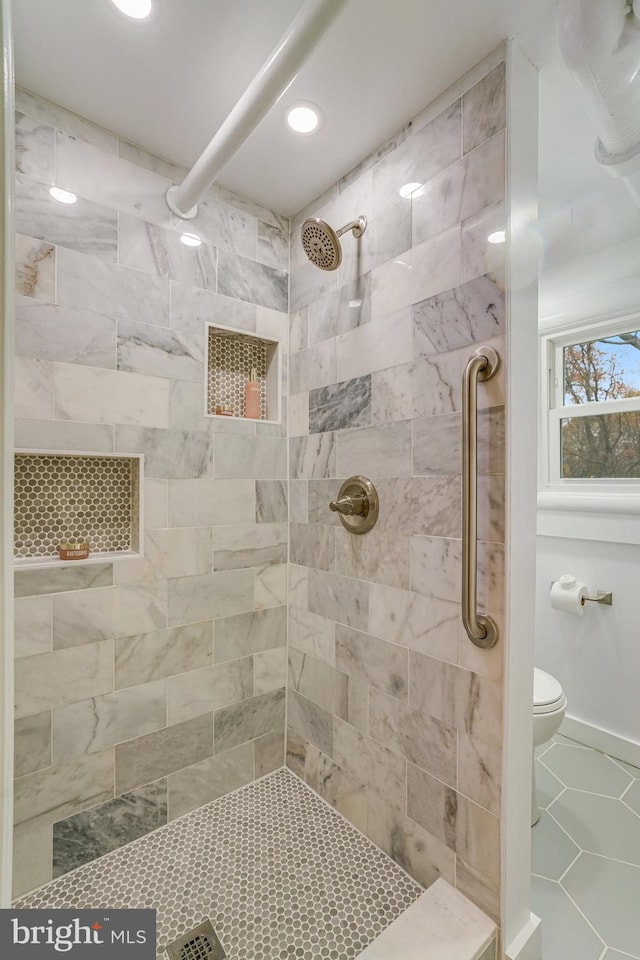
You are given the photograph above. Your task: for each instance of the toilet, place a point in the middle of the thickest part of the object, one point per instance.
(549, 705)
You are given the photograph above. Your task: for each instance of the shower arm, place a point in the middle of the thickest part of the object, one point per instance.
(356, 226)
(278, 71)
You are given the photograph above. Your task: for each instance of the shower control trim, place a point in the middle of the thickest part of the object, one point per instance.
(357, 505)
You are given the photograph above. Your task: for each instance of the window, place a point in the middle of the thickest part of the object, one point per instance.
(591, 418)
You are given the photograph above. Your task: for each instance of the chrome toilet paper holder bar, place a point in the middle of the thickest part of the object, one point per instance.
(602, 596)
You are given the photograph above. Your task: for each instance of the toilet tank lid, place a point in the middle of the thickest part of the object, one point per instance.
(546, 688)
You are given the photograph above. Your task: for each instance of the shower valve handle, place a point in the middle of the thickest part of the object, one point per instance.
(349, 506)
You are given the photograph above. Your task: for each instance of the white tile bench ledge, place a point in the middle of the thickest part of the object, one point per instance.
(441, 925)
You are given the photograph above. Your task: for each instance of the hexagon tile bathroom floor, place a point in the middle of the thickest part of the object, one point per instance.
(275, 869)
(586, 854)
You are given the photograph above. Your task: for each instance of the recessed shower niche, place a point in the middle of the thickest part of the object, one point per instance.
(76, 498)
(233, 358)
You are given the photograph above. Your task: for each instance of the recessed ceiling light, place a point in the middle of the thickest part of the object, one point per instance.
(354, 304)
(190, 239)
(62, 196)
(410, 191)
(138, 9)
(498, 237)
(303, 118)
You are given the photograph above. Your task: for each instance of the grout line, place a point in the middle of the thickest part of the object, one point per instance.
(565, 831)
(624, 803)
(585, 918)
(577, 857)
(591, 793)
(619, 763)
(602, 856)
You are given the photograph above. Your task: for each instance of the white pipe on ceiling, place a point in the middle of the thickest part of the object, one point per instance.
(277, 72)
(600, 42)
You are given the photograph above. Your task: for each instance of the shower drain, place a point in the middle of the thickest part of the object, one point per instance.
(198, 944)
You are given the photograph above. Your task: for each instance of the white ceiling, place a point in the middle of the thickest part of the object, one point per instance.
(168, 82)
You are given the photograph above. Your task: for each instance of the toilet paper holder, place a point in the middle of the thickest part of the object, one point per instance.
(602, 596)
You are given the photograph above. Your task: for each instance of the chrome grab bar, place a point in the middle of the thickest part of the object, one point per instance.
(481, 629)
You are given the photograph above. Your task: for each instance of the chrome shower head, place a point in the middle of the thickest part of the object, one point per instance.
(321, 242)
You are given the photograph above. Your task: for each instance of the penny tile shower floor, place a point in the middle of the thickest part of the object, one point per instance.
(277, 872)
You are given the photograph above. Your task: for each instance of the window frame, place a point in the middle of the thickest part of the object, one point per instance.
(585, 508)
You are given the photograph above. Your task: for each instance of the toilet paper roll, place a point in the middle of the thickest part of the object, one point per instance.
(567, 595)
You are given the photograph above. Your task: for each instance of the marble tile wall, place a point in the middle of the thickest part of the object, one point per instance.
(393, 716)
(144, 687)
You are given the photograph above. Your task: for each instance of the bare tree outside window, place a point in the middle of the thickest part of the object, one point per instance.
(604, 445)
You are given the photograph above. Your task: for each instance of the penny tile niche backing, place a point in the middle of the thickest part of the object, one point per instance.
(231, 358)
(76, 498)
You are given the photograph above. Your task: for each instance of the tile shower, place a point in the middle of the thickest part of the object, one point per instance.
(146, 688)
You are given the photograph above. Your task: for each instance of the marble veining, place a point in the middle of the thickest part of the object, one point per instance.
(340, 406)
(255, 282)
(92, 173)
(326, 686)
(35, 268)
(94, 284)
(238, 457)
(312, 456)
(50, 332)
(192, 307)
(426, 387)
(147, 758)
(313, 367)
(31, 626)
(249, 546)
(248, 206)
(466, 187)
(247, 720)
(379, 663)
(52, 794)
(171, 454)
(484, 108)
(82, 226)
(209, 596)
(34, 148)
(56, 116)
(339, 310)
(32, 743)
(273, 246)
(422, 855)
(144, 348)
(200, 691)
(160, 252)
(88, 672)
(308, 721)
(460, 316)
(225, 226)
(213, 777)
(271, 501)
(339, 598)
(250, 633)
(423, 740)
(480, 257)
(85, 836)
(88, 726)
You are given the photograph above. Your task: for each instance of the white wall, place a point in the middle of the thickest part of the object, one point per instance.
(596, 657)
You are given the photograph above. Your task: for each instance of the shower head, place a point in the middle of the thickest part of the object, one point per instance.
(322, 244)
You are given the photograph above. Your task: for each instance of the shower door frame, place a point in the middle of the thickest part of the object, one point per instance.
(521, 933)
(6, 454)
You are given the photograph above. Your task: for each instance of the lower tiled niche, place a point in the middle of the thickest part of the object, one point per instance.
(277, 871)
(62, 497)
